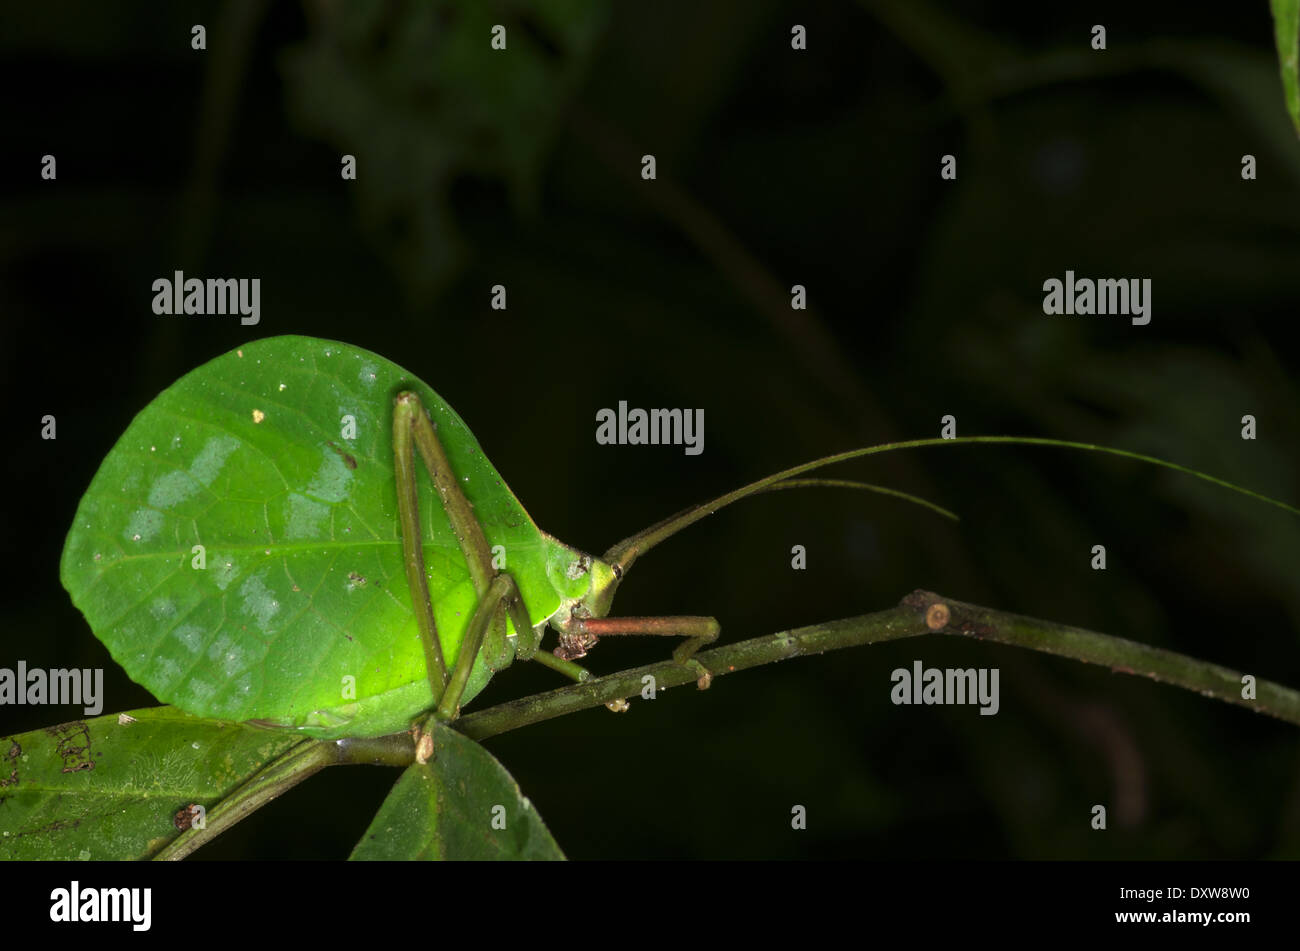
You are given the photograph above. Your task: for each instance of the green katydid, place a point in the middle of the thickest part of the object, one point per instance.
(248, 550)
(260, 545)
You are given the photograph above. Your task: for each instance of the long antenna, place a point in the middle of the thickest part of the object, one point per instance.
(622, 555)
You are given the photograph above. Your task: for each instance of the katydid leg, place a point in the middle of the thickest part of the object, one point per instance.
(575, 672)
(582, 633)
(460, 512)
(500, 588)
(408, 517)
(412, 432)
(501, 592)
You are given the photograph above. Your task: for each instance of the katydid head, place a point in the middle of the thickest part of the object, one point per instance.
(595, 597)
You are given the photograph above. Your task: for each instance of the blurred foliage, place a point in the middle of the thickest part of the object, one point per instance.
(1286, 24)
(776, 167)
(406, 88)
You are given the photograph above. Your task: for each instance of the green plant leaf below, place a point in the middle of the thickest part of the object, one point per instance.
(111, 787)
(462, 805)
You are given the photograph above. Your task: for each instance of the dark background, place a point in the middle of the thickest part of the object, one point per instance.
(775, 167)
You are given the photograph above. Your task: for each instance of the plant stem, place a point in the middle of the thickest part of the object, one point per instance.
(921, 612)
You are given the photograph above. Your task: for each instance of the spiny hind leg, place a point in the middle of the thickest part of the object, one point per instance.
(414, 432)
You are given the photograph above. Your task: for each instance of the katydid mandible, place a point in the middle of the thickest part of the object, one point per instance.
(260, 545)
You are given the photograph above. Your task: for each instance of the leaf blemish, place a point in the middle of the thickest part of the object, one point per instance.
(305, 517)
(73, 745)
(190, 637)
(212, 457)
(224, 574)
(259, 602)
(332, 479)
(14, 752)
(347, 458)
(185, 817)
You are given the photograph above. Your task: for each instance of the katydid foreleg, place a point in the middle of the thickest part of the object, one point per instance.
(582, 633)
(563, 665)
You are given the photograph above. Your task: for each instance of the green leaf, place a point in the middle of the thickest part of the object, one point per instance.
(111, 787)
(454, 807)
(1286, 23)
(299, 612)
